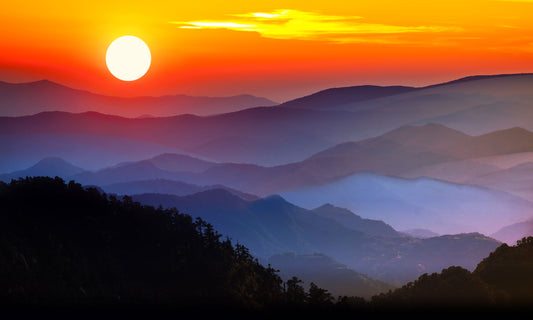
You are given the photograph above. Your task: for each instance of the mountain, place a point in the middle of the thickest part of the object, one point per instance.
(512, 233)
(334, 97)
(324, 271)
(411, 151)
(52, 166)
(355, 222)
(164, 186)
(272, 226)
(442, 207)
(19, 99)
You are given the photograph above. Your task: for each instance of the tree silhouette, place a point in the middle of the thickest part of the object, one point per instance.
(295, 293)
(319, 297)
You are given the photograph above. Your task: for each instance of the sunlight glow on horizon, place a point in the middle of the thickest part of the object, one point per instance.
(276, 49)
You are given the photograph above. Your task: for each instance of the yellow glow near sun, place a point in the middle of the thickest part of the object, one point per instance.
(128, 58)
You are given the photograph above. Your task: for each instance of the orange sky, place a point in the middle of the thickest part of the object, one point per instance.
(277, 49)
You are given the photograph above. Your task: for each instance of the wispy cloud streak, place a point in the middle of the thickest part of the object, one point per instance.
(302, 25)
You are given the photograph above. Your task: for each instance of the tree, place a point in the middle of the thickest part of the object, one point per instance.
(295, 293)
(319, 296)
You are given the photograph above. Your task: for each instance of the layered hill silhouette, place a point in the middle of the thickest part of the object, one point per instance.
(274, 226)
(20, 99)
(283, 134)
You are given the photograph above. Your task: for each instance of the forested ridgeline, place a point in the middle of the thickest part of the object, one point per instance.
(61, 244)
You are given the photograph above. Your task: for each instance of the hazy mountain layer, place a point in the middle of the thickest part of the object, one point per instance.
(280, 135)
(442, 207)
(512, 233)
(20, 99)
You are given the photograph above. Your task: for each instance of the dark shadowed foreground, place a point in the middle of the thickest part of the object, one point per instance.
(64, 248)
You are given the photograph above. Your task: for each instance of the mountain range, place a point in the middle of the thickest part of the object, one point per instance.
(442, 163)
(20, 99)
(475, 106)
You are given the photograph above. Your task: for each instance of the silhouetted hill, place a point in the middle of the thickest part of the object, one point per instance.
(273, 226)
(51, 166)
(333, 97)
(19, 99)
(63, 246)
(338, 278)
(501, 282)
(508, 269)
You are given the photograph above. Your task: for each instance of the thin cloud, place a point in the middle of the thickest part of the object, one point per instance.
(302, 25)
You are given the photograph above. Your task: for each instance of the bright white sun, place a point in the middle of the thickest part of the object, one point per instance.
(128, 58)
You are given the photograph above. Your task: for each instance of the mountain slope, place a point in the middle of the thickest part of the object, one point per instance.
(334, 97)
(274, 226)
(355, 222)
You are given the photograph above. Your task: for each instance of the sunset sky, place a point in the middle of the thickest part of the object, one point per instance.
(276, 49)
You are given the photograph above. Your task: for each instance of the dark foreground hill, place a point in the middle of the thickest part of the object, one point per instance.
(62, 245)
(503, 280)
(65, 246)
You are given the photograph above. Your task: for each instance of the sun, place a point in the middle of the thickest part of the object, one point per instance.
(128, 58)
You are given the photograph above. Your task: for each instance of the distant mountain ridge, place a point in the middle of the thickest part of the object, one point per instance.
(19, 99)
(279, 135)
